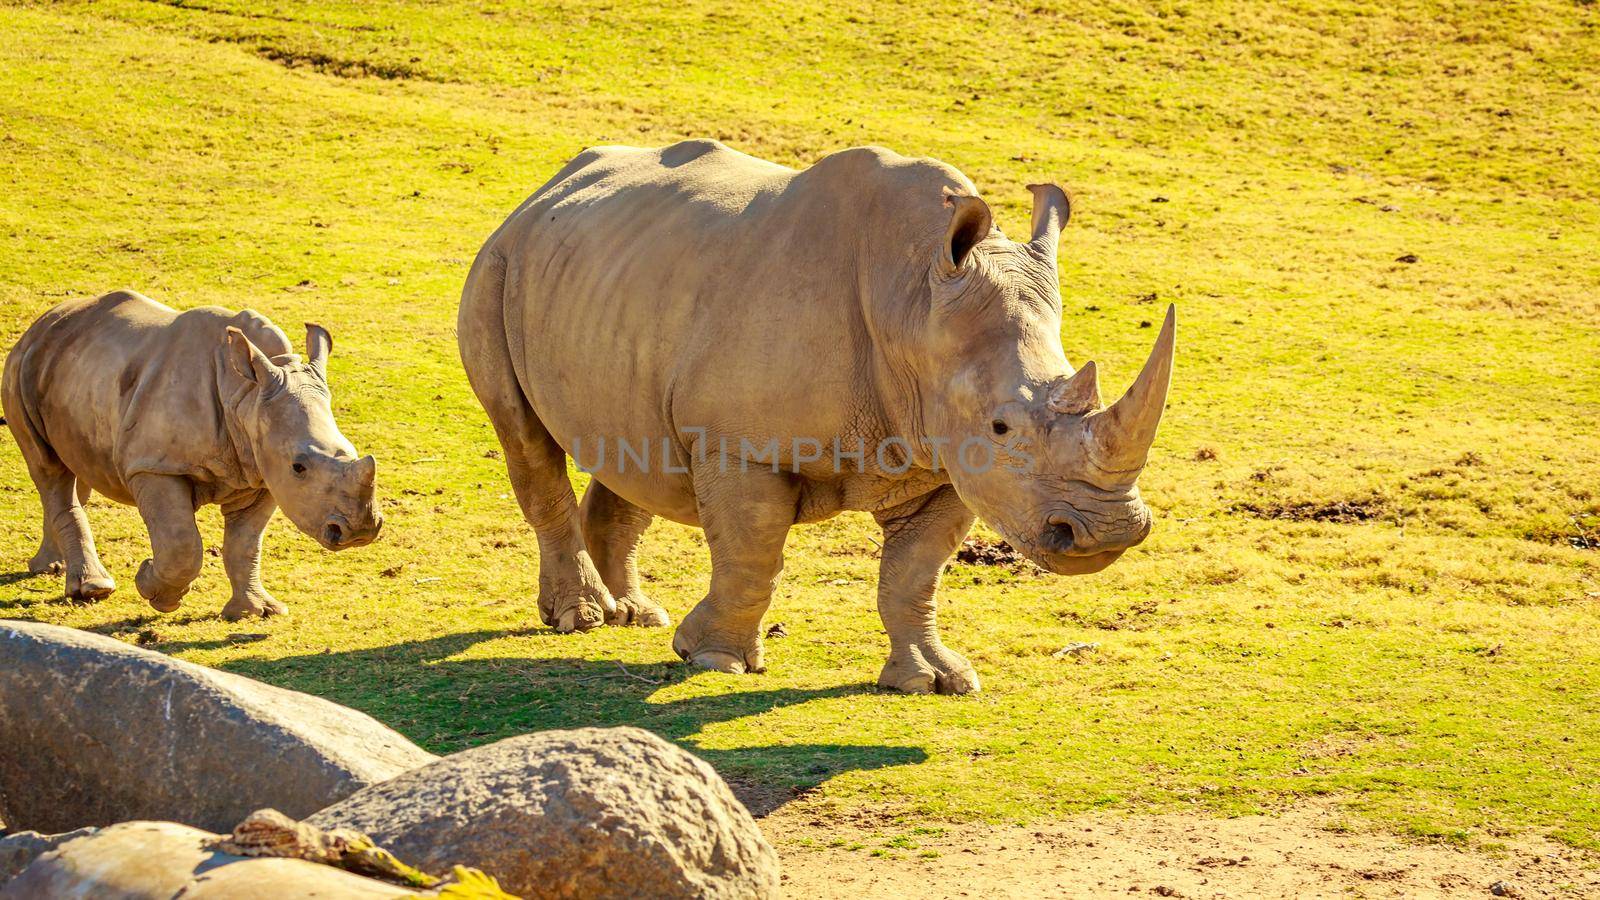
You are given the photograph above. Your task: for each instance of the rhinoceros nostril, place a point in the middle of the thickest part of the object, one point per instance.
(1059, 535)
(334, 534)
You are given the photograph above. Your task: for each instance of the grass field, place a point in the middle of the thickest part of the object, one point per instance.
(1373, 489)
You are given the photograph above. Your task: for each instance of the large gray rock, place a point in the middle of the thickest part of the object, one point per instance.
(163, 860)
(94, 731)
(592, 813)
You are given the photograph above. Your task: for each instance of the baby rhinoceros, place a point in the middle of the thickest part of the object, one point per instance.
(170, 411)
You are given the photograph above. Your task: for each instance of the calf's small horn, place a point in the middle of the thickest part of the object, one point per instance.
(1122, 435)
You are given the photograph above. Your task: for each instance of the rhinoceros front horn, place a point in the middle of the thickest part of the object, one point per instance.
(1121, 436)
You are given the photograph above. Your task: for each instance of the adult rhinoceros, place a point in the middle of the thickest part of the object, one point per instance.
(786, 345)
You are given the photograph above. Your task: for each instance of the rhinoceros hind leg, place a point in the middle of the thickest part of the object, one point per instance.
(49, 560)
(572, 596)
(746, 517)
(612, 529)
(918, 539)
(68, 544)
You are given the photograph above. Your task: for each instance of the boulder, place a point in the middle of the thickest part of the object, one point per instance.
(18, 851)
(162, 860)
(592, 813)
(94, 731)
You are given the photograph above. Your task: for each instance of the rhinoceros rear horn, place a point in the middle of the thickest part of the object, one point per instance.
(1077, 394)
(1052, 209)
(1122, 435)
(970, 222)
(318, 343)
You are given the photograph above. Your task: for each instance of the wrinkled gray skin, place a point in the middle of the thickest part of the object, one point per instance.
(647, 294)
(170, 411)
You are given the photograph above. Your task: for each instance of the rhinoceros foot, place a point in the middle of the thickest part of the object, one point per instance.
(706, 640)
(940, 670)
(162, 596)
(89, 585)
(569, 607)
(634, 608)
(256, 603)
(48, 561)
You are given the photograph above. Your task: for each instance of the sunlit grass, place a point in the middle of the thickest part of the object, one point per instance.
(1435, 667)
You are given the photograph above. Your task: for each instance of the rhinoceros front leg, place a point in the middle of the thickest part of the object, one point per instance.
(612, 528)
(242, 529)
(166, 503)
(746, 517)
(918, 539)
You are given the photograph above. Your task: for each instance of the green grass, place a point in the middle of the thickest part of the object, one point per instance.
(1435, 668)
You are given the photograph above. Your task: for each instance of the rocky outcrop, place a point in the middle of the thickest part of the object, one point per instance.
(589, 813)
(94, 731)
(162, 860)
(18, 851)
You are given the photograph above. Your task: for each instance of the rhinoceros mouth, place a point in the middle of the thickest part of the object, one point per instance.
(1059, 547)
(1070, 564)
(338, 534)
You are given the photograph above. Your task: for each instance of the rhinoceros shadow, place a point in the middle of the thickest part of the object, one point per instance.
(447, 704)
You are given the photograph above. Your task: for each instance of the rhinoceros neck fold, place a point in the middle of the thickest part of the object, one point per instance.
(891, 318)
(895, 306)
(233, 395)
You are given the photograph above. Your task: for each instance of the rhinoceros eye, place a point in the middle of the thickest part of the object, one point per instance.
(299, 468)
(999, 427)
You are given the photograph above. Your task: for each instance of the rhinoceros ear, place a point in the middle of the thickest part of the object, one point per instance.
(318, 344)
(247, 361)
(1051, 210)
(970, 222)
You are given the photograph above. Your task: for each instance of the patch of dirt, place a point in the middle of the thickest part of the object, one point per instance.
(1302, 853)
(325, 64)
(1336, 745)
(1583, 534)
(1339, 512)
(977, 552)
(238, 13)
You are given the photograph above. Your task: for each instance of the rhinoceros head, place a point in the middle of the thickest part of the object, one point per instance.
(1061, 482)
(309, 467)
